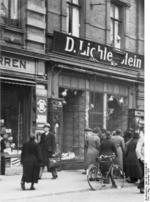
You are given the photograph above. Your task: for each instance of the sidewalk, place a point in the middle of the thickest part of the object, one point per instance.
(67, 181)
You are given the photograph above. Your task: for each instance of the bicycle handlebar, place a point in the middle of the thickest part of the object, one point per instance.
(113, 156)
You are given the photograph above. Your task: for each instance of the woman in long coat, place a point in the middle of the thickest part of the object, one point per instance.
(133, 168)
(30, 160)
(120, 146)
(92, 143)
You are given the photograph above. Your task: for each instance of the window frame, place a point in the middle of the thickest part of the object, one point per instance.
(69, 24)
(7, 19)
(113, 20)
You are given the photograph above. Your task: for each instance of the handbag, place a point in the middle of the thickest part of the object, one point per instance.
(54, 163)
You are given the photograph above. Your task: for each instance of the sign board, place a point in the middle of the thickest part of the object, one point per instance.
(17, 65)
(78, 47)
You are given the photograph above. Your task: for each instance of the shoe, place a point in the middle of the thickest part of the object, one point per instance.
(32, 188)
(54, 177)
(114, 186)
(142, 190)
(23, 185)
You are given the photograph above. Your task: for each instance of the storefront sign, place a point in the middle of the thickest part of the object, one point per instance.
(41, 106)
(90, 50)
(18, 65)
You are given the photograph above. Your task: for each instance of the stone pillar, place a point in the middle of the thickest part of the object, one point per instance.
(105, 110)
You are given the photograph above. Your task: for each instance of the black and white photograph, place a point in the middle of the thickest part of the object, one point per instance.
(74, 101)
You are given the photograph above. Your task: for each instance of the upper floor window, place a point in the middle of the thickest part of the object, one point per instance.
(115, 26)
(73, 19)
(9, 12)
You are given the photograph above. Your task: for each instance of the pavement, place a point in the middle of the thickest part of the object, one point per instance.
(68, 181)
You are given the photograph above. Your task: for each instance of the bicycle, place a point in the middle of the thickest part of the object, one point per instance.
(97, 177)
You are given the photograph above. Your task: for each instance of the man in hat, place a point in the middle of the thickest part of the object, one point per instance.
(48, 148)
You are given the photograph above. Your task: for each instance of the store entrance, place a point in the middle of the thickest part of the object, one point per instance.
(15, 111)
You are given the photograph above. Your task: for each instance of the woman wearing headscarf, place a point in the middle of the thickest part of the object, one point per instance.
(120, 146)
(30, 160)
(133, 168)
(92, 143)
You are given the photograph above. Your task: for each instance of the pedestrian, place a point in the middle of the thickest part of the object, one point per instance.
(30, 160)
(140, 156)
(3, 141)
(92, 143)
(48, 148)
(120, 146)
(107, 148)
(98, 131)
(133, 167)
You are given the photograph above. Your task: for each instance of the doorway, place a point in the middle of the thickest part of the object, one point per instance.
(16, 111)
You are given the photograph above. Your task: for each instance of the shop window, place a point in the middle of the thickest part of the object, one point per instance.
(73, 17)
(96, 110)
(9, 12)
(116, 112)
(116, 25)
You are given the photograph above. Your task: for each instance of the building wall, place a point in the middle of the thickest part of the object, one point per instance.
(95, 26)
(26, 42)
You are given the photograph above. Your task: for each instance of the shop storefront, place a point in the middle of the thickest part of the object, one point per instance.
(94, 87)
(20, 78)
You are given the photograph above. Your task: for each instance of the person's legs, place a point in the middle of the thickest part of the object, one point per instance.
(54, 173)
(2, 165)
(112, 181)
(41, 171)
(141, 183)
(32, 186)
(23, 183)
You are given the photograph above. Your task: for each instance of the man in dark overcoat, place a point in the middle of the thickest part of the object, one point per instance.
(3, 147)
(107, 148)
(48, 148)
(30, 160)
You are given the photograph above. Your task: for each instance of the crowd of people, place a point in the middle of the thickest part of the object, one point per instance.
(128, 148)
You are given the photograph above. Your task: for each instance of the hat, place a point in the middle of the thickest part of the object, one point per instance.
(136, 134)
(97, 130)
(47, 125)
(88, 129)
(118, 131)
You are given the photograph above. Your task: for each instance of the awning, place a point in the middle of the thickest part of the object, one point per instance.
(17, 81)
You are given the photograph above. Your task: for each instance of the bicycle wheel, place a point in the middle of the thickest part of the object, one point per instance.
(118, 176)
(94, 178)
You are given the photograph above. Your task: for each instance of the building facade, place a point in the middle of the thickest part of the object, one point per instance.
(73, 63)
(96, 67)
(22, 67)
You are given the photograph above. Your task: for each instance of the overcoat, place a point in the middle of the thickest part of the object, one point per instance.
(120, 146)
(30, 159)
(107, 148)
(93, 143)
(133, 168)
(47, 147)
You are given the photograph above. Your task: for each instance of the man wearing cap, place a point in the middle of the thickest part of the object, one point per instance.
(48, 148)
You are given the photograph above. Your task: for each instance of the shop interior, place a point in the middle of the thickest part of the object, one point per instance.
(15, 112)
